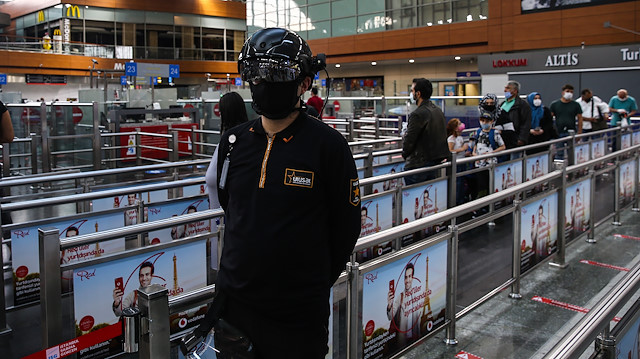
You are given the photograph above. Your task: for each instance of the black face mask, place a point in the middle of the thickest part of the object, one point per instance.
(489, 108)
(588, 100)
(275, 100)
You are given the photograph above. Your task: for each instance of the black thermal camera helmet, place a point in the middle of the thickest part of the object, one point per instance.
(277, 55)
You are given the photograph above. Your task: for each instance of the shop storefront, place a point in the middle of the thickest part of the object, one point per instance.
(603, 69)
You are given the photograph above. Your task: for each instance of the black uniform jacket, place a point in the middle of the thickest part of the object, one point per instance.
(292, 215)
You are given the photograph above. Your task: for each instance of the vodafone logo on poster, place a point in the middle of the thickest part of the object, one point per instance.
(182, 323)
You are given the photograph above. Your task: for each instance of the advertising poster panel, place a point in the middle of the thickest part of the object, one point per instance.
(422, 201)
(103, 290)
(376, 214)
(636, 138)
(507, 176)
(627, 337)
(538, 230)
(627, 189)
(625, 141)
(536, 166)
(581, 153)
(597, 149)
(577, 209)
(26, 258)
(173, 209)
(195, 190)
(403, 301)
(391, 184)
(129, 200)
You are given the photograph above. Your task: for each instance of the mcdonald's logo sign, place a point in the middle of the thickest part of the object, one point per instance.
(57, 32)
(73, 11)
(41, 16)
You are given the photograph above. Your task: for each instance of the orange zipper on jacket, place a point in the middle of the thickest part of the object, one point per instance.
(263, 169)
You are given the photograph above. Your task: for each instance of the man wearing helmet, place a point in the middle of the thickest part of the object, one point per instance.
(289, 188)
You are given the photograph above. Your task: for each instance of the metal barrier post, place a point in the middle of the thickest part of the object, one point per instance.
(559, 259)
(154, 322)
(138, 149)
(377, 127)
(452, 181)
(97, 139)
(397, 215)
(353, 273)
(368, 167)
(352, 130)
(606, 344)
(174, 155)
(492, 180)
(570, 147)
(616, 195)
(194, 148)
(592, 208)
(4, 328)
(636, 187)
(50, 286)
(34, 153)
(6, 160)
(517, 226)
(46, 152)
(452, 285)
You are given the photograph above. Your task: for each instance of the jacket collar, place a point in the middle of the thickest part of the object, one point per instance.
(286, 134)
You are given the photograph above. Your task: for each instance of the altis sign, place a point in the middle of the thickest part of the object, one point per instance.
(560, 60)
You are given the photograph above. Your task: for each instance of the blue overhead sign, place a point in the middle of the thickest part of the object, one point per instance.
(3, 79)
(174, 71)
(123, 80)
(151, 70)
(324, 82)
(238, 81)
(316, 77)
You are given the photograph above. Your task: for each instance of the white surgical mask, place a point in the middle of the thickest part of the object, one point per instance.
(537, 102)
(622, 99)
(411, 98)
(568, 96)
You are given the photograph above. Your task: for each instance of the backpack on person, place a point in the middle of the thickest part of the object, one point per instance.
(492, 137)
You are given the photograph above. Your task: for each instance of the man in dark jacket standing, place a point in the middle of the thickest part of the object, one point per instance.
(425, 143)
(514, 122)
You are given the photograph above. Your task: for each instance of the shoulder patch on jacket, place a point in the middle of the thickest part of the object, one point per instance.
(354, 193)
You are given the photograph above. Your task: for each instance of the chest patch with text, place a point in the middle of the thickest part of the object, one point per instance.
(298, 178)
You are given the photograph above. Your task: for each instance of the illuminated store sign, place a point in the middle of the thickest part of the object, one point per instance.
(629, 55)
(510, 63)
(558, 60)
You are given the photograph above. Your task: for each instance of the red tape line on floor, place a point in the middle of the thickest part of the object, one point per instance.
(82, 342)
(604, 265)
(562, 305)
(465, 355)
(626, 237)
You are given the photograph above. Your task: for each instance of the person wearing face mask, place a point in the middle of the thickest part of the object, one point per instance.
(289, 188)
(425, 142)
(489, 104)
(565, 111)
(622, 106)
(514, 120)
(594, 111)
(541, 122)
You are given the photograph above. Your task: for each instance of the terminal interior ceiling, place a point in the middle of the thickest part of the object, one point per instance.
(116, 113)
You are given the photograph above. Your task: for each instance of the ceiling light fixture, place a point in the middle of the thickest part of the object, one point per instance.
(411, 61)
(373, 63)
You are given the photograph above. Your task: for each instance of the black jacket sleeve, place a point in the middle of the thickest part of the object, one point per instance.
(415, 125)
(345, 210)
(546, 123)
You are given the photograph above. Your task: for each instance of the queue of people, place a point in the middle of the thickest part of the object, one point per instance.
(515, 122)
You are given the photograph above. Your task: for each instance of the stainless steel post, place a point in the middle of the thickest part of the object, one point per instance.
(50, 286)
(97, 140)
(138, 149)
(4, 328)
(175, 147)
(353, 304)
(352, 128)
(616, 195)
(559, 259)
(194, 148)
(452, 286)
(636, 186)
(517, 226)
(46, 152)
(592, 207)
(34, 153)
(570, 147)
(492, 179)
(384, 106)
(6, 160)
(368, 167)
(377, 126)
(453, 180)
(153, 302)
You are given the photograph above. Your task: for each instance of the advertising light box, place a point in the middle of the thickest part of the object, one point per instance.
(403, 301)
(577, 209)
(538, 230)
